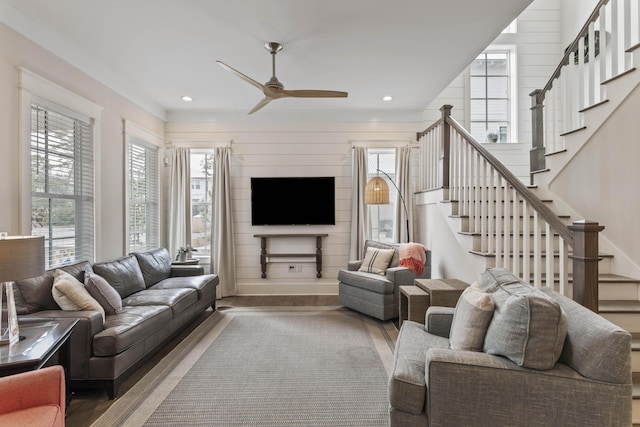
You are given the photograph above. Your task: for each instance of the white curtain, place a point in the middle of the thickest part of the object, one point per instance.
(403, 181)
(223, 256)
(358, 207)
(179, 200)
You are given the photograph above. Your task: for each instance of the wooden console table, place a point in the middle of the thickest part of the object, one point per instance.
(264, 254)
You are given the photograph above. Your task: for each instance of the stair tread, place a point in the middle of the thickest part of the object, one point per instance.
(615, 278)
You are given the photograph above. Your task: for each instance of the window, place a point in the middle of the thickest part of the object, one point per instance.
(62, 199)
(491, 94)
(59, 132)
(201, 199)
(143, 218)
(382, 217)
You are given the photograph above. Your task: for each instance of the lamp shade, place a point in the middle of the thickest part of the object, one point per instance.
(21, 257)
(376, 192)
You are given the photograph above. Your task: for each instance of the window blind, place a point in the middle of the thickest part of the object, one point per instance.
(143, 198)
(62, 185)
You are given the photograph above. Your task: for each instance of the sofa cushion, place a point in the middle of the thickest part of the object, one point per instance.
(407, 380)
(71, 295)
(34, 294)
(492, 278)
(103, 292)
(178, 299)
(528, 326)
(205, 284)
(123, 274)
(155, 265)
(368, 281)
(376, 260)
(132, 325)
(471, 318)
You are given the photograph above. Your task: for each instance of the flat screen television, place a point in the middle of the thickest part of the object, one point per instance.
(293, 201)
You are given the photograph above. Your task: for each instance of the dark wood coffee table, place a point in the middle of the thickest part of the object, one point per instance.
(45, 343)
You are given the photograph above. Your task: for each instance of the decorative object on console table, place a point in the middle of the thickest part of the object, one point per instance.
(377, 193)
(21, 257)
(184, 252)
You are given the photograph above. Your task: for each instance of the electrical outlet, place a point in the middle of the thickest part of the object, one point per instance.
(294, 268)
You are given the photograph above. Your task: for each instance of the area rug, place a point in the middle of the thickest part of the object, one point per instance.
(271, 366)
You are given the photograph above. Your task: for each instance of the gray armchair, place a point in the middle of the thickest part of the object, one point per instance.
(432, 384)
(374, 294)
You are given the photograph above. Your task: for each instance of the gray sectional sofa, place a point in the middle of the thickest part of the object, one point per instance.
(153, 302)
(541, 359)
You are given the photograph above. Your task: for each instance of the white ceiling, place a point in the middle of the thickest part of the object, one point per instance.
(155, 51)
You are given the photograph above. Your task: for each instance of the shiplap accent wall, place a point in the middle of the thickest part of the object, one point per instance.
(538, 52)
(294, 148)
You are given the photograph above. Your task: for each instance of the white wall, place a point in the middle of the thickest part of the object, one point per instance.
(17, 51)
(538, 52)
(601, 183)
(309, 145)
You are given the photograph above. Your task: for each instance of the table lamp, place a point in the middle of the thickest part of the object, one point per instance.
(21, 257)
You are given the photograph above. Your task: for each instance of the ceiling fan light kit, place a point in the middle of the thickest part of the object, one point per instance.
(273, 89)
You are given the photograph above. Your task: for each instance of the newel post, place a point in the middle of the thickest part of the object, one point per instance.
(446, 145)
(536, 155)
(585, 262)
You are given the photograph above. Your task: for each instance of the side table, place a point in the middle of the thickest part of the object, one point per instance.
(45, 343)
(413, 304)
(416, 299)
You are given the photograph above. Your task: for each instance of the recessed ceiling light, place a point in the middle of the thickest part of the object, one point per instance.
(187, 98)
(387, 98)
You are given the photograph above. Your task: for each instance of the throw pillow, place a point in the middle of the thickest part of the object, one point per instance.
(71, 295)
(104, 293)
(376, 260)
(471, 318)
(528, 327)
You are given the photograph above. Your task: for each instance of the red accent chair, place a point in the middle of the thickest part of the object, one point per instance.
(33, 398)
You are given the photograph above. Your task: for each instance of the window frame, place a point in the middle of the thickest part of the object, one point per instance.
(392, 195)
(512, 95)
(135, 135)
(35, 89)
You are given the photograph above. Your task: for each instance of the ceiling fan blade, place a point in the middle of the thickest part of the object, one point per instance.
(314, 93)
(260, 104)
(242, 76)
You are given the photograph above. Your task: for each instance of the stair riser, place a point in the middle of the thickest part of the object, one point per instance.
(635, 411)
(477, 242)
(619, 291)
(603, 267)
(627, 321)
(470, 226)
(635, 361)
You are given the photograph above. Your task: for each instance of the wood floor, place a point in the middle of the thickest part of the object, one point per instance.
(87, 405)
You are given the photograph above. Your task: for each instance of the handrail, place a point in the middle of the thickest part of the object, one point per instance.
(429, 129)
(571, 49)
(547, 214)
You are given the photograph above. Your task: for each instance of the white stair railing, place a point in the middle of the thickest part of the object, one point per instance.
(601, 52)
(512, 225)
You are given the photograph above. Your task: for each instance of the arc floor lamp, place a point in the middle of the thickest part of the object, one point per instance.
(377, 193)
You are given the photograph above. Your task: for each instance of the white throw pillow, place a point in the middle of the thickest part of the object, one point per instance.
(376, 260)
(71, 295)
(471, 319)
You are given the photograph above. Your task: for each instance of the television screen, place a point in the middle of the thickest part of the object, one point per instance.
(293, 201)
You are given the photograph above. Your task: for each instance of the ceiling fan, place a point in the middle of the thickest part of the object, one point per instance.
(273, 89)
